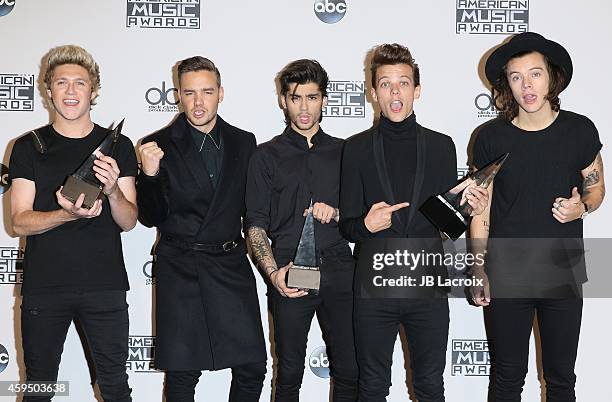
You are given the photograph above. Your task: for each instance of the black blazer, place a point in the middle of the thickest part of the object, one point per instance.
(365, 182)
(181, 200)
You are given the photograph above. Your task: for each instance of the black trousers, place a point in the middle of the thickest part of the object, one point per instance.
(377, 324)
(247, 382)
(45, 320)
(292, 319)
(559, 324)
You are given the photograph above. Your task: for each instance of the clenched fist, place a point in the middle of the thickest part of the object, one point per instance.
(150, 155)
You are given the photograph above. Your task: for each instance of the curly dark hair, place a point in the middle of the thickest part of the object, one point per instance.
(504, 99)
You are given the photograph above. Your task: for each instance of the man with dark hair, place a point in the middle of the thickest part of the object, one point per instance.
(191, 187)
(388, 171)
(286, 174)
(551, 181)
(73, 264)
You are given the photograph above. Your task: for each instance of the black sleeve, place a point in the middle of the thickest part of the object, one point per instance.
(126, 158)
(450, 178)
(588, 144)
(21, 164)
(352, 207)
(252, 147)
(482, 154)
(258, 190)
(151, 196)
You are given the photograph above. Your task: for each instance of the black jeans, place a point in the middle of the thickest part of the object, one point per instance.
(292, 318)
(377, 324)
(45, 320)
(559, 324)
(247, 382)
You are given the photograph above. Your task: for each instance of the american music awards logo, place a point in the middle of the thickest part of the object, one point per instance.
(16, 92)
(11, 266)
(169, 14)
(345, 99)
(141, 353)
(500, 17)
(470, 357)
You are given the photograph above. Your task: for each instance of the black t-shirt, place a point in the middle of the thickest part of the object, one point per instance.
(542, 166)
(84, 254)
(284, 175)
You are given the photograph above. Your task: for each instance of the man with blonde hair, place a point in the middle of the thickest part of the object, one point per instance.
(73, 265)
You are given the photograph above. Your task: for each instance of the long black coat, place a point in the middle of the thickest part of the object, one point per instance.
(206, 302)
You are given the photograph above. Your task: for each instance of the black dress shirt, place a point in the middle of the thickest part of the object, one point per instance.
(284, 175)
(210, 147)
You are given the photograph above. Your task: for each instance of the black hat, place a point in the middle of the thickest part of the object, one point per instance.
(525, 42)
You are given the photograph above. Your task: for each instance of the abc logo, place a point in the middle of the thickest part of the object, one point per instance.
(4, 358)
(5, 181)
(330, 11)
(147, 269)
(155, 96)
(319, 363)
(484, 103)
(6, 6)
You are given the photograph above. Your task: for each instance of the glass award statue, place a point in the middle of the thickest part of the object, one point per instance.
(305, 274)
(447, 211)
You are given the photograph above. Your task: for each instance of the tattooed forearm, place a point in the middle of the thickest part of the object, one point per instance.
(262, 252)
(486, 225)
(591, 179)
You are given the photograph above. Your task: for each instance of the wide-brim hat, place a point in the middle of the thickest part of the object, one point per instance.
(526, 42)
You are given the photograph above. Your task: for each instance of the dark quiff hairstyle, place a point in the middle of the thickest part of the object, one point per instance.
(198, 63)
(502, 93)
(302, 72)
(391, 54)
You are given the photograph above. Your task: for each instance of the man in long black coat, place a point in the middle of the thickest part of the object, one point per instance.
(192, 188)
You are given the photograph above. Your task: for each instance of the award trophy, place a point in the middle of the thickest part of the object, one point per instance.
(304, 274)
(84, 180)
(447, 212)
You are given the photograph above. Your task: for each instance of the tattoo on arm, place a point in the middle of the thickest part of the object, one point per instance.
(262, 252)
(486, 225)
(591, 179)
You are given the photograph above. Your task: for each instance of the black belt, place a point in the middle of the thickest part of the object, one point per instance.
(226, 246)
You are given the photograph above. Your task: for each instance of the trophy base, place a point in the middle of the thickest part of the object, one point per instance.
(444, 216)
(307, 278)
(74, 187)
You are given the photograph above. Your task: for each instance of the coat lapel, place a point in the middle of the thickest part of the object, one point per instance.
(421, 154)
(181, 137)
(383, 175)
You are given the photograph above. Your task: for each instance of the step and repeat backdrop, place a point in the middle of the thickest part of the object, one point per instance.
(137, 44)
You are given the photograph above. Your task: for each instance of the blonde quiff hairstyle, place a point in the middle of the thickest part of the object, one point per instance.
(72, 54)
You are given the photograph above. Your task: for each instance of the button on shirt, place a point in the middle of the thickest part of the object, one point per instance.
(210, 147)
(284, 175)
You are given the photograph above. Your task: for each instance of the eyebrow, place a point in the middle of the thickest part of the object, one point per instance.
(314, 94)
(531, 69)
(401, 76)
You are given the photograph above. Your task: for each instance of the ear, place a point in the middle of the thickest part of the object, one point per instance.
(417, 92)
(94, 95)
(283, 102)
(373, 93)
(221, 94)
(324, 101)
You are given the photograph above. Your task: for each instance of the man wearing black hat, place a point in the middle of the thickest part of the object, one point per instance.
(551, 181)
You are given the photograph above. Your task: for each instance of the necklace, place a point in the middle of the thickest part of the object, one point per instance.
(212, 139)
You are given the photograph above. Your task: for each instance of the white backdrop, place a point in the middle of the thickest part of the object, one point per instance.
(250, 41)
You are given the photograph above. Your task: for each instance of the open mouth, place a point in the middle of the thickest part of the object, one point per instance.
(396, 106)
(70, 102)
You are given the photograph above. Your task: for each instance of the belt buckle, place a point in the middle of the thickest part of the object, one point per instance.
(229, 245)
